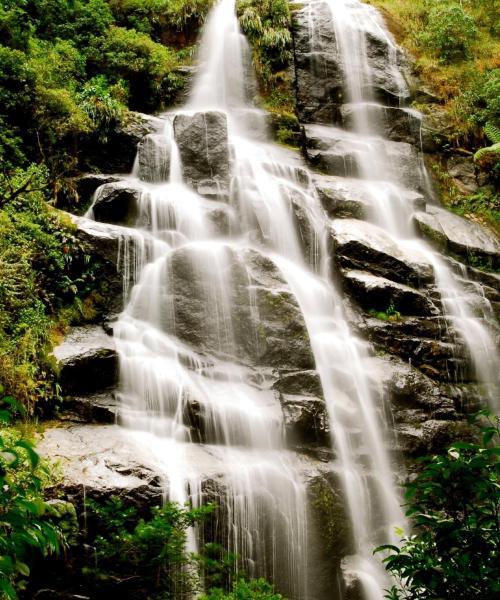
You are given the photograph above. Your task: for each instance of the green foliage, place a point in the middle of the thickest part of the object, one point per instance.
(390, 313)
(132, 56)
(449, 32)
(42, 268)
(267, 24)
(454, 505)
(103, 104)
(25, 531)
(151, 550)
(150, 555)
(154, 16)
(258, 589)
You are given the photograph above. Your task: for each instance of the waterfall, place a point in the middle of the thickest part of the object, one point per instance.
(354, 23)
(204, 261)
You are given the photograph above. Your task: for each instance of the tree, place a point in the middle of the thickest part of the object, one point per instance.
(454, 504)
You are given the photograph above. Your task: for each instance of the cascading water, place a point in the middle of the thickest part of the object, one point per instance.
(353, 23)
(189, 393)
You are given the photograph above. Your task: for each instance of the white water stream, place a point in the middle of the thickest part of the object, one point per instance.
(238, 420)
(353, 22)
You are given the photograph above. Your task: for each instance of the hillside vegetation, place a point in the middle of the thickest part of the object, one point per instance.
(456, 46)
(69, 72)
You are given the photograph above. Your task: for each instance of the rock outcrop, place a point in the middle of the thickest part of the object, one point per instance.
(203, 147)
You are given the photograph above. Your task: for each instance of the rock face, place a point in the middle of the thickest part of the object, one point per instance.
(117, 203)
(103, 461)
(378, 293)
(118, 154)
(87, 361)
(319, 78)
(153, 157)
(338, 152)
(361, 245)
(273, 334)
(203, 147)
(396, 124)
(344, 197)
(459, 236)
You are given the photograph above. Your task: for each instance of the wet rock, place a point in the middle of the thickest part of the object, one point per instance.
(378, 293)
(100, 461)
(117, 155)
(299, 382)
(117, 203)
(249, 311)
(330, 532)
(305, 419)
(414, 396)
(83, 188)
(396, 124)
(153, 158)
(332, 151)
(360, 245)
(431, 437)
(457, 235)
(425, 342)
(87, 361)
(338, 152)
(463, 172)
(342, 197)
(203, 146)
(319, 78)
(93, 408)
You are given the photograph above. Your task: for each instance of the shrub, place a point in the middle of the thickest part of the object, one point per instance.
(454, 504)
(449, 32)
(25, 532)
(135, 58)
(257, 589)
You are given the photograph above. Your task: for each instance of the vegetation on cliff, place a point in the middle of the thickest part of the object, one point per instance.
(454, 506)
(69, 71)
(456, 46)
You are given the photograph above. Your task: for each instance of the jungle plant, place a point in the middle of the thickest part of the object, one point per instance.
(454, 504)
(25, 532)
(449, 32)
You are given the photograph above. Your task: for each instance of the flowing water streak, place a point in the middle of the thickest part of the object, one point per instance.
(262, 199)
(353, 22)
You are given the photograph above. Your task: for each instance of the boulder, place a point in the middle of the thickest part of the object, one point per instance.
(118, 154)
(305, 419)
(153, 158)
(87, 361)
(458, 236)
(203, 146)
(100, 461)
(361, 245)
(93, 408)
(82, 190)
(378, 293)
(342, 197)
(463, 172)
(117, 203)
(231, 300)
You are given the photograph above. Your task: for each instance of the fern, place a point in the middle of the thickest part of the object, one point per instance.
(493, 132)
(488, 155)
